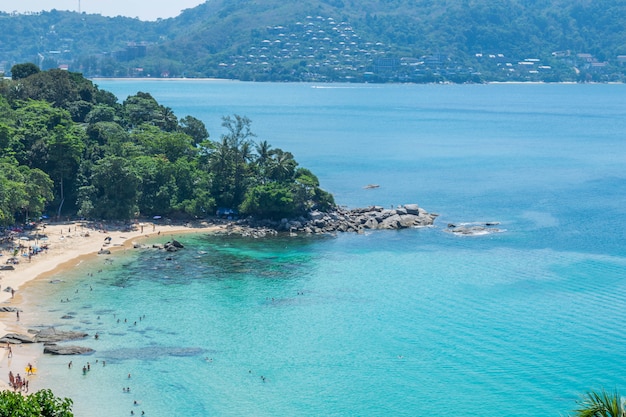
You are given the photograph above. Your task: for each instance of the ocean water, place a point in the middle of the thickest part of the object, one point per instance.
(417, 322)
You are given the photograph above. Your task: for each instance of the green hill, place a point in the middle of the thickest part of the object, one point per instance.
(336, 40)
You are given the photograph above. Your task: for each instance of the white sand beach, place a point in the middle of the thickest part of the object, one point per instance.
(67, 244)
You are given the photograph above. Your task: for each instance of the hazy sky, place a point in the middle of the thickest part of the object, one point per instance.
(143, 9)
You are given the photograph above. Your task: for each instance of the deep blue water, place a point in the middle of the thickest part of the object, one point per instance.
(417, 322)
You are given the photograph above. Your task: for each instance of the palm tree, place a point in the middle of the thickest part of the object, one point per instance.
(601, 404)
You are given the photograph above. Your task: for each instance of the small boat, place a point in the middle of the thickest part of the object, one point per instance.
(370, 186)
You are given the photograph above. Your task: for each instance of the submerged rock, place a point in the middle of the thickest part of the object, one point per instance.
(55, 349)
(473, 229)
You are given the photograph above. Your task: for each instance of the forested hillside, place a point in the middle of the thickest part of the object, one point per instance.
(68, 148)
(336, 40)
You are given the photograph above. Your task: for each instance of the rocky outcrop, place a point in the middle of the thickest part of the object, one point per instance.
(51, 335)
(47, 335)
(173, 246)
(55, 349)
(341, 220)
(17, 339)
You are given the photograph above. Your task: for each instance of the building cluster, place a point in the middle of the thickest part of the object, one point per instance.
(316, 45)
(323, 48)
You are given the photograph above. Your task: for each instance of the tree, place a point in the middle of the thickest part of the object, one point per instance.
(40, 404)
(282, 166)
(273, 201)
(153, 141)
(112, 193)
(143, 108)
(229, 162)
(601, 404)
(24, 192)
(65, 149)
(194, 128)
(20, 71)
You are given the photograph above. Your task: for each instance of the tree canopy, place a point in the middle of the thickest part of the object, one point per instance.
(68, 148)
(40, 404)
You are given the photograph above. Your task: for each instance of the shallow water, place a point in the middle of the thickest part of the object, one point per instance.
(417, 322)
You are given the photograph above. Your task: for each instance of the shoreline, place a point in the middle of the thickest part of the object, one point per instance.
(70, 243)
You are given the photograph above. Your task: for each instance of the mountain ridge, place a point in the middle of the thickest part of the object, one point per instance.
(457, 41)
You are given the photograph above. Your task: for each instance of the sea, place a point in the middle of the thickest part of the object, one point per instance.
(417, 322)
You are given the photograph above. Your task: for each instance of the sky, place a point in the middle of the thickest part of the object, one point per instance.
(143, 9)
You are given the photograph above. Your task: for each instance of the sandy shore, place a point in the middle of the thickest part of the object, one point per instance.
(68, 243)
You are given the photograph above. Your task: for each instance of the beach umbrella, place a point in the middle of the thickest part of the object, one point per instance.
(24, 238)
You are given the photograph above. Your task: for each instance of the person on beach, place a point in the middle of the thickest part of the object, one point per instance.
(69, 365)
(10, 352)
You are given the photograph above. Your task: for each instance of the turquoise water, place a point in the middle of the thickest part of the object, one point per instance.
(417, 322)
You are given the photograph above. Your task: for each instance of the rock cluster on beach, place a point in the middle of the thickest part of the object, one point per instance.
(50, 337)
(340, 220)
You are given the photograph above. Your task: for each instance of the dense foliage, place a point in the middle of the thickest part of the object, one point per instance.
(67, 147)
(40, 404)
(368, 40)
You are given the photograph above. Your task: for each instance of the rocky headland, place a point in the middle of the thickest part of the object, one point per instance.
(356, 220)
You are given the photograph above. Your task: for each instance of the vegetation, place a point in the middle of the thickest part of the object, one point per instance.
(601, 404)
(69, 148)
(40, 404)
(336, 40)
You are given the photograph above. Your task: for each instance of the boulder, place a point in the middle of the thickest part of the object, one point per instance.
(177, 244)
(51, 335)
(412, 209)
(316, 215)
(391, 222)
(55, 349)
(401, 211)
(371, 223)
(16, 338)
